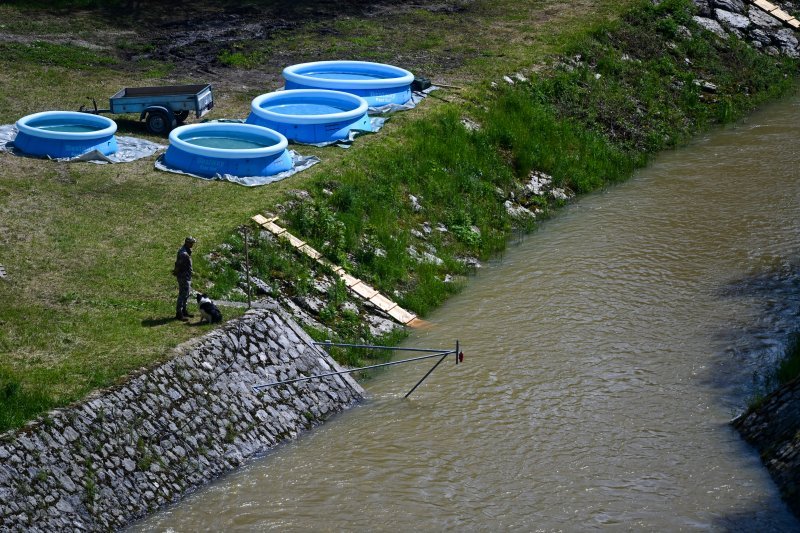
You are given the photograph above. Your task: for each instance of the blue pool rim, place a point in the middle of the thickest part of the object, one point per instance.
(311, 128)
(33, 140)
(391, 84)
(209, 162)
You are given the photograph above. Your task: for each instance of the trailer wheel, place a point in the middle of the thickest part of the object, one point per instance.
(158, 123)
(180, 116)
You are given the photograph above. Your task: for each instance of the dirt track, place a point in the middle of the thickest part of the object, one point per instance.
(194, 44)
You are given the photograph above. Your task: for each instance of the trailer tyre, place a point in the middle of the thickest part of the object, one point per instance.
(182, 115)
(159, 123)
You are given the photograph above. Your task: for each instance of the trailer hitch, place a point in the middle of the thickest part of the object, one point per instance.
(94, 109)
(83, 109)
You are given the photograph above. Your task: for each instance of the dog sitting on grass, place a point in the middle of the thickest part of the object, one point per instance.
(208, 311)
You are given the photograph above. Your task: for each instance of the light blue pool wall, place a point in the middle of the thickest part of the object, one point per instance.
(273, 159)
(311, 116)
(379, 84)
(34, 136)
(374, 97)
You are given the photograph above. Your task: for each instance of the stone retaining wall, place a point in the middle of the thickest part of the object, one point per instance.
(773, 427)
(124, 452)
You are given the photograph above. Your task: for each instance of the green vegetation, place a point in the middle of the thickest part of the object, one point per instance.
(771, 379)
(88, 248)
(789, 368)
(58, 55)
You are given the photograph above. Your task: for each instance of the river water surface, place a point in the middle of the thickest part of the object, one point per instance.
(604, 357)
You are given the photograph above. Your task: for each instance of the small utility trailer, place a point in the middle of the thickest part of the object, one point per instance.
(162, 108)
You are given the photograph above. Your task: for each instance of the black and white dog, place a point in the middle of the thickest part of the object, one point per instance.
(208, 311)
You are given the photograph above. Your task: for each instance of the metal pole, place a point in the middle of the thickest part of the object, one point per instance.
(428, 374)
(247, 266)
(257, 388)
(328, 343)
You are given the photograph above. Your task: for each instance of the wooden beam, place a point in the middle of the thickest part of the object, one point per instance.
(360, 288)
(766, 6)
(782, 15)
(364, 290)
(383, 303)
(401, 315)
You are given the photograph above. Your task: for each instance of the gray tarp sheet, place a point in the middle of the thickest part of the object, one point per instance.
(416, 98)
(299, 163)
(130, 148)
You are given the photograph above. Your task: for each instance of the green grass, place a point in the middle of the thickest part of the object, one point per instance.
(789, 368)
(88, 248)
(771, 379)
(57, 55)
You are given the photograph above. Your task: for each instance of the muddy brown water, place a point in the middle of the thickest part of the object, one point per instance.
(604, 356)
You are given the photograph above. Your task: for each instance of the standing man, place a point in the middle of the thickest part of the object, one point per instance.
(183, 271)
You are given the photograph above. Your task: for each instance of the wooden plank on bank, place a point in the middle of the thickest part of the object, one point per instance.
(364, 290)
(383, 303)
(358, 287)
(794, 23)
(294, 241)
(274, 228)
(766, 6)
(349, 280)
(260, 220)
(782, 15)
(310, 252)
(269, 224)
(401, 315)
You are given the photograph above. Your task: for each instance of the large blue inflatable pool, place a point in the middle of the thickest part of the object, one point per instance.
(311, 116)
(65, 134)
(377, 83)
(215, 148)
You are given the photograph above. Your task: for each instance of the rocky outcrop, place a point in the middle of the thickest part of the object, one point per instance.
(773, 427)
(747, 21)
(126, 451)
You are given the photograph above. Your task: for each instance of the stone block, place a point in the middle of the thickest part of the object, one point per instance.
(732, 20)
(735, 6)
(763, 19)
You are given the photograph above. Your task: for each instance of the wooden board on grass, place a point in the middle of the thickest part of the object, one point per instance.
(383, 303)
(401, 315)
(766, 6)
(364, 290)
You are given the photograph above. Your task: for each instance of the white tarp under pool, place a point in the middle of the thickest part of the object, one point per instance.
(299, 163)
(129, 148)
(416, 98)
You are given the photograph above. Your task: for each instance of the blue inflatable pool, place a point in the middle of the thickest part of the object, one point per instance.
(377, 83)
(241, 150)
(310, 115)
(65, 134)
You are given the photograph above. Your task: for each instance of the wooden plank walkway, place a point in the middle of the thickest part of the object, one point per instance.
(777, 12)
(355, 285)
